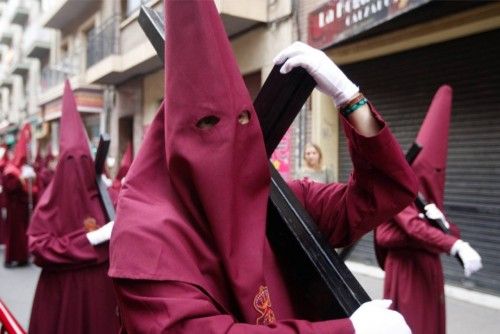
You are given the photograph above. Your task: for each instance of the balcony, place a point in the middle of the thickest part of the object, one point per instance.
(21, 68)
(36, 42)
(51, 77)
(56, 74)
(6, 83)
(7, 38)
(103, 41)
(136, 55)
(64, 13)
(241, 16)
(133, 55)
(21, 14)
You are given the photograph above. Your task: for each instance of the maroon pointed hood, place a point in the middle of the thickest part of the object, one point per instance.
(20, 158)
(71, 199)
(21, 151)
(430, 164)
(73, 136)
(205, 189)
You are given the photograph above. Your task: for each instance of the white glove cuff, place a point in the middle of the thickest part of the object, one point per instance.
(456, 246)
(345, 93)
(100, 235)
(108, 182)
(27, 172)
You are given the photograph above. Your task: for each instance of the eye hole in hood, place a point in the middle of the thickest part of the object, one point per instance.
(207, 122)
(244, 117)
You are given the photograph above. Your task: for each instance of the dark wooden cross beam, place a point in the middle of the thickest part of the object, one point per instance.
(100, 160)
(319, 280)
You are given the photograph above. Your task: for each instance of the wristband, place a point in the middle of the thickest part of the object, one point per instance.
(351, 107)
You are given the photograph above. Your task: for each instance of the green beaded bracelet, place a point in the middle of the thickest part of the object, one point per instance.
(353, 107)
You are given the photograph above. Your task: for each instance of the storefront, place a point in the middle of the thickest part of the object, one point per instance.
(399, 65)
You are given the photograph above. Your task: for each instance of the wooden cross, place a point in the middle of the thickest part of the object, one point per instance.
(100, 161)
(321, 280)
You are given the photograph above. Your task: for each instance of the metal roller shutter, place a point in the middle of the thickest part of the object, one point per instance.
(401, 86)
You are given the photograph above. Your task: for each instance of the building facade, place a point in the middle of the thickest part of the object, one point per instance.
(399, 53)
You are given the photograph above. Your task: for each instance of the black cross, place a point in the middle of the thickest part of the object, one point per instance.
(320, 280)
(100, 161)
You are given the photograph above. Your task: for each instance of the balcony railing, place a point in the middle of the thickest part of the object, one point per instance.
(50, 78)
(56, 74)
(103, 41)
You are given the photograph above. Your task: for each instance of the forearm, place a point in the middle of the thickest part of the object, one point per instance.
(422, 233)
(364, 122)
(72, 248)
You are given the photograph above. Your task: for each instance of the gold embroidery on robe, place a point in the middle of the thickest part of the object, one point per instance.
(262, 303)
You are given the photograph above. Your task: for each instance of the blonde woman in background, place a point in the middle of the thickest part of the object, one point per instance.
(313, 169)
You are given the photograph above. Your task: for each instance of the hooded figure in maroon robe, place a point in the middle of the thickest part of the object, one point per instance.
(4, 159)
(17, 188)
(189, 252)
(74, 293)
(125, 163)
(44, 172)
(408, 247)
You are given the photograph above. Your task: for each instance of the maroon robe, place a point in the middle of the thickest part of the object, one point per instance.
(3, 226)
(74, 293)
(125, 163)
(194, 202)
(408, 247)
(17, 203)
(43, 172)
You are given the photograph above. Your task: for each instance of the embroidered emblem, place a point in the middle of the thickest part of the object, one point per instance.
(90, 224)
(262, 303)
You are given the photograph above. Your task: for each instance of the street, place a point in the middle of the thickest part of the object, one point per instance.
(17, 287)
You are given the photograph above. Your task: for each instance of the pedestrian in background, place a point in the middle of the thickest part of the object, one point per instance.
(314, 169)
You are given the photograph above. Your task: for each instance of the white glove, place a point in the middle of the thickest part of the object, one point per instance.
(470, 258)
(107, 182)
(330, 79)
(433, 212)
(101, 235)
(27, 172)
(375, 318)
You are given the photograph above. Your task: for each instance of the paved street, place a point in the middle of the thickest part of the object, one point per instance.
(17, 287)
(461, 317)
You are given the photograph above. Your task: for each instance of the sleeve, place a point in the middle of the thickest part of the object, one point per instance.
(177, 307)
(71, 249)
(421, 233)
(380, 185)
(390, 235)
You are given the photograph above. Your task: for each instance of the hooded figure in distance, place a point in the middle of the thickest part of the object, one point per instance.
(408, 247)
(20, 194)
(68, 237)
